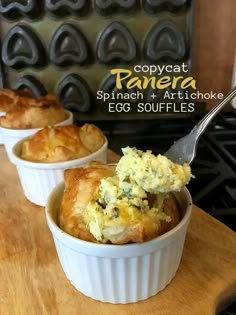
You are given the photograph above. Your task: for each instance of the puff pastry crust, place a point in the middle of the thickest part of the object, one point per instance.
(34, 113)
(9, 98)
(62, 143)
(81, 185)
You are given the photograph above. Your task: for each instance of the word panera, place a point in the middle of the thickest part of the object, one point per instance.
(125, 79)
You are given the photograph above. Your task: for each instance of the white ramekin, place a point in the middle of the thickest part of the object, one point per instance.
(38, 179)
(12, 136)
(1, 138)
(119, 273)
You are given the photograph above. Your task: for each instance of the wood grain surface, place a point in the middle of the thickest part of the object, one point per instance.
(213, 50)
(33, 283)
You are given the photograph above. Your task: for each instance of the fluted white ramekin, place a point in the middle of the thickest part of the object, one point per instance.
(1, 138)
(12, 136)
(38, 179)
(119, 273)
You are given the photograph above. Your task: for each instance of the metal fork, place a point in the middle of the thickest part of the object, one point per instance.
(184, 149)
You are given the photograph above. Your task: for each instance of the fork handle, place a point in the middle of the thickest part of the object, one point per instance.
(204, 122)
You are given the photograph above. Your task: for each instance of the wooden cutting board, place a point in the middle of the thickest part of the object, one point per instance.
(32, 280)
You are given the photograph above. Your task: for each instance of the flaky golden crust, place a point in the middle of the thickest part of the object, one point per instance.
(62, 143)
(80, 186)
(31, 113)
(154, 229)
(9, 98)
(91, 137)
(148, 228)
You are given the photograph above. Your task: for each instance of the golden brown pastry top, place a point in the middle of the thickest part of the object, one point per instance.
(62, 143)
(9, 98)
(34, 113)
(81, 187)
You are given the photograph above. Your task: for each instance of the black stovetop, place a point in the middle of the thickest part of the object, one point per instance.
(214, 188)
